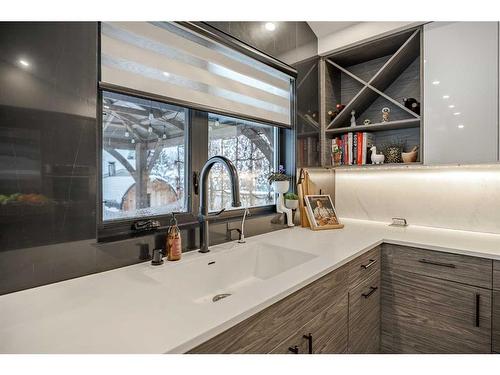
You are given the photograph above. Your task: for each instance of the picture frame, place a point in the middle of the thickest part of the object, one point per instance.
(321, 212)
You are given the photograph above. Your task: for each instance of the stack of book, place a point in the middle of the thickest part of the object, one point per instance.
(355, 148)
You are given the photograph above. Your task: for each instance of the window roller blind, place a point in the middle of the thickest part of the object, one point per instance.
(169, 60)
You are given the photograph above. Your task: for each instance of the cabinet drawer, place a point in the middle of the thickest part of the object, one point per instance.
(496, 321)
(364, 267)
(496, 274)
(264, 331)
(453, 267)
(364, 316)
(328, 333)
(422, 314)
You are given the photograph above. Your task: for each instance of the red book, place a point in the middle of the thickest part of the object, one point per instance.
(359, 158)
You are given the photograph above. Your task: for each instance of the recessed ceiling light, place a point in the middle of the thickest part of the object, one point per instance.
(456, 113)
(460, 126)
(24, 63)
(446, 97)
(166, 74)
(451, 106)
(270, 26)
(436, 82)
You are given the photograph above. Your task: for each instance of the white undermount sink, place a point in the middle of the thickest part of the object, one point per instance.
(228, 272)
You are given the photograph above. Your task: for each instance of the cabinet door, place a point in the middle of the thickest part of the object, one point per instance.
(364, 317)
(423, 314)
(496, 321)
(460, 92)
(264, 331)
(325, 334)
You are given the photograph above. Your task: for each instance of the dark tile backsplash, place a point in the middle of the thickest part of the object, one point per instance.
(48, 148)
(48, 132)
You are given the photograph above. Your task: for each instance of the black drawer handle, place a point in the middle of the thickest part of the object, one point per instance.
(372, 290)
(435, 263)
(309, 338)
(294, 349)
(370, 263)
(478, 299)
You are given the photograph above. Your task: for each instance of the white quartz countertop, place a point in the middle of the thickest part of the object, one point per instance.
(127, 311)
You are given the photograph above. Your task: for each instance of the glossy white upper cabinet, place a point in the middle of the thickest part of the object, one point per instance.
(461, 92)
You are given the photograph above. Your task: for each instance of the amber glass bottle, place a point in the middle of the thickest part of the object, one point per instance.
(174, 243)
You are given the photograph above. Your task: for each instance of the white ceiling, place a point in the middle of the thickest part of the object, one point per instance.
(322, 28)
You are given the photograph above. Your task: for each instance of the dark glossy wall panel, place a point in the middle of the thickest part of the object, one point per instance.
(290, 42)
(48, 74)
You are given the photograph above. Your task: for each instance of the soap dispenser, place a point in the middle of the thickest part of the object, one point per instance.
(174, 243)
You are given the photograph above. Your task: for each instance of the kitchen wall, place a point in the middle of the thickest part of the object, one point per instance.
(357, 33)
(290, 42)
(455, 197)
(48, 76)
(48, 147)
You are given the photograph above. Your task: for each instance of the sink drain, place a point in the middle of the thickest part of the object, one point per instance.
(218, 297)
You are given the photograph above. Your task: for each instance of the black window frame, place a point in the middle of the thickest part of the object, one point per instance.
(196, 134)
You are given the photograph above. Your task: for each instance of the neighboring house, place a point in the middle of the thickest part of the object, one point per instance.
(120, 199)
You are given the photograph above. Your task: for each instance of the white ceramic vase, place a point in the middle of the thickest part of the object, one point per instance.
(292, 204)
(281, 187)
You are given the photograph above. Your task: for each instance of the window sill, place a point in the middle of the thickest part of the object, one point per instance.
(121, 230)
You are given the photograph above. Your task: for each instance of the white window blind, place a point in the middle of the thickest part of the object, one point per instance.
(169, 60)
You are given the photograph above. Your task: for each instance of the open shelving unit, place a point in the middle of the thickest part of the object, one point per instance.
(367, 78)
(381, 126)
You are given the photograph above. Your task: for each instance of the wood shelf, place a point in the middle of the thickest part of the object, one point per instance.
(382, 126)
(381, 47)
(398, 62)
(386, 75)
(375, 166)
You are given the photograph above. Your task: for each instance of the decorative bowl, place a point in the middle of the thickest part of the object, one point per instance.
(409, 157)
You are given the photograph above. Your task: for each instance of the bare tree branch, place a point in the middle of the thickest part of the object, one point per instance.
(122, 160)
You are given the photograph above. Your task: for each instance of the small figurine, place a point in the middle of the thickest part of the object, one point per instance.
(367, 122)
(385, 114)
(376, 159)
(353, 119)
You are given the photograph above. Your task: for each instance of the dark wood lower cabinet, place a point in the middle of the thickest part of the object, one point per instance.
(394, 300)
(496, 321)
(364, 317)
(326, 333)
(283, 324)
(421, 314)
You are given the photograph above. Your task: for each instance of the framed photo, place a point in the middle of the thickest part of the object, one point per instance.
(321, 212)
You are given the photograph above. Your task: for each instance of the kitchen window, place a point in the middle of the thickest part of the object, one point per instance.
(251, 147)
(172, 97)
(143, 157)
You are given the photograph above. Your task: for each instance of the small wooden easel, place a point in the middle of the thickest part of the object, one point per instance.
(303, 190)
